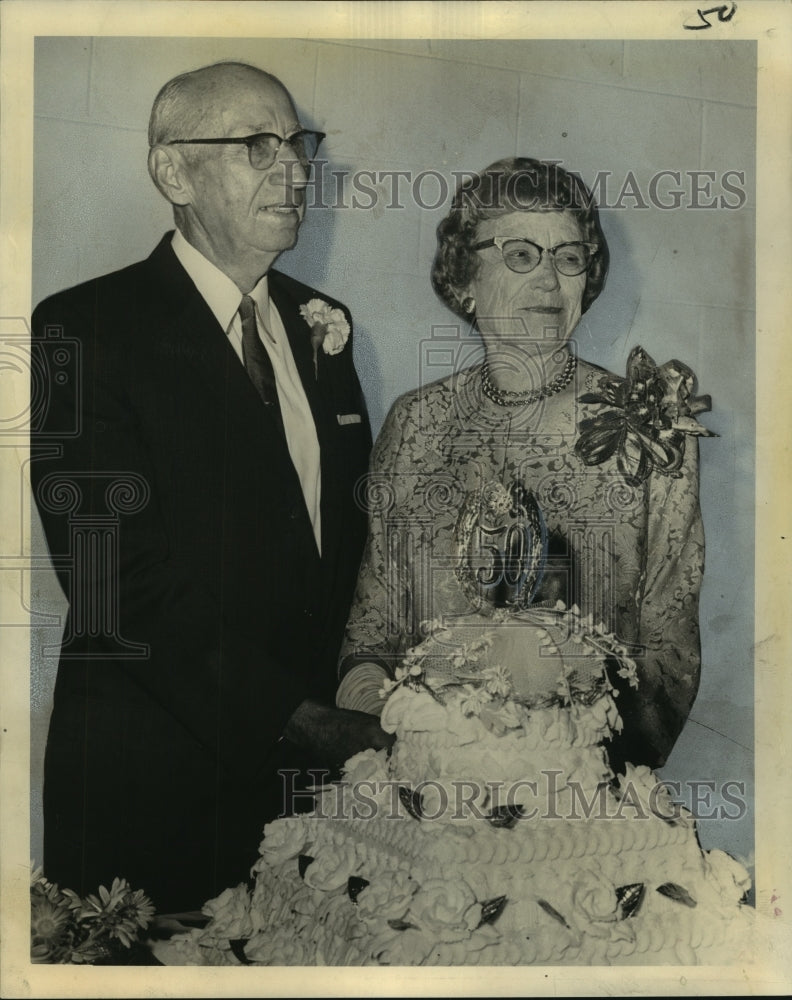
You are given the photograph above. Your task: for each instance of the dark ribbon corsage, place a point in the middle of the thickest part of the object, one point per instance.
(649, 414)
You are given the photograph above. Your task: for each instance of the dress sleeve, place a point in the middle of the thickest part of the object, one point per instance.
(371, 648)
(670, 664)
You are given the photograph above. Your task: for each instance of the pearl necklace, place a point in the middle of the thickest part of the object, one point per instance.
(505, 397)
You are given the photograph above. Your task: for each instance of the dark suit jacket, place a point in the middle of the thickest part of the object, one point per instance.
(201, 613)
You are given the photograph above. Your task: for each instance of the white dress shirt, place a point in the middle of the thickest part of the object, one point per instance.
(223, 298)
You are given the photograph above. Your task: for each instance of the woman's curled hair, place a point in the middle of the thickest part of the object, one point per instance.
(515, 184)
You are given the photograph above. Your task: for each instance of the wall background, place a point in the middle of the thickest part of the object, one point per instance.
(681, 281)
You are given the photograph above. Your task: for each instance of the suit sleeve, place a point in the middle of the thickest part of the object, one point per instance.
(92, 473)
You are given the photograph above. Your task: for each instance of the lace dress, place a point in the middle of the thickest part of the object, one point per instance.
(613, 468)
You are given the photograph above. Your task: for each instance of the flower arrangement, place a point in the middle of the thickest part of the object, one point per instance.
(650, 413)
(329, 328)
(98, 929)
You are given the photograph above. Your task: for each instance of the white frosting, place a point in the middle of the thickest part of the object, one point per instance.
(414, 858)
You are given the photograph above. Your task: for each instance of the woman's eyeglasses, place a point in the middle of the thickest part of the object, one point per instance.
(523, 255)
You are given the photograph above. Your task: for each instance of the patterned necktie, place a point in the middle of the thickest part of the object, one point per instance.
(257, 360)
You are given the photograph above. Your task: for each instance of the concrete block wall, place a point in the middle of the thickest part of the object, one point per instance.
(681, 281)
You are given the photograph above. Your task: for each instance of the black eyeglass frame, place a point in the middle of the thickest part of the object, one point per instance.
(500, 241)
(250, 141)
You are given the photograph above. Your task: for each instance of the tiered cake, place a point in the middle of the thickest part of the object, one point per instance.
(493, 833)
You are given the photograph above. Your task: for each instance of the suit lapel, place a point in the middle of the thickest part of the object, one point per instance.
(189, 333)
(190, 337)
(300, 342)
(320, 399)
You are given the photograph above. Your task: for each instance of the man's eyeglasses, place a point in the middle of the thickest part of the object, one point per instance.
(263, 147)
(523, 255)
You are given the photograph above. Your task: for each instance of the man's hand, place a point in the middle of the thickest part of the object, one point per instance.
(335, 733)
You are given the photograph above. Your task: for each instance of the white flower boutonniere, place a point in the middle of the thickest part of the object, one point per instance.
(328, 328)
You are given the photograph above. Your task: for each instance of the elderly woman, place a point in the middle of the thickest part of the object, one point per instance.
(600, 473)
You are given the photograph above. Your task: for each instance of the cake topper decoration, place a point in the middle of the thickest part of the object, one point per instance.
(502, 545)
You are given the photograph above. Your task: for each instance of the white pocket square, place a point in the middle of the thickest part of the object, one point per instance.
(348, 418)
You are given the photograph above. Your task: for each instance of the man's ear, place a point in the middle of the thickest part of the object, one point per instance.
(169, 172)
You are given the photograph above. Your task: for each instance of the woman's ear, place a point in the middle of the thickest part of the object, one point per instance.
(170, 174)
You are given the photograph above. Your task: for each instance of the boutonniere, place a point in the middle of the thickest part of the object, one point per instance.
(329, 328)
(650, 413)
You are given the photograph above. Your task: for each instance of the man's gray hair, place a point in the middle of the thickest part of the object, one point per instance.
(180, 108)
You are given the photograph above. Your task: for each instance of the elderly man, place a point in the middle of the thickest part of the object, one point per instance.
(196, 483)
